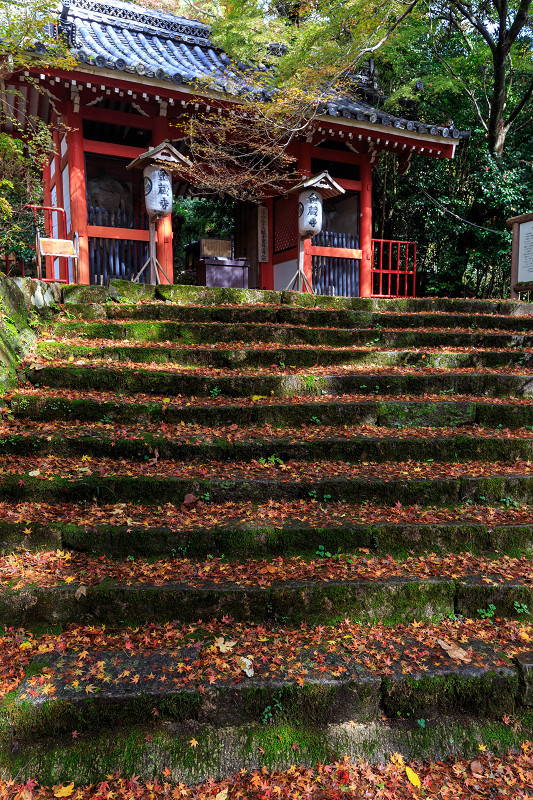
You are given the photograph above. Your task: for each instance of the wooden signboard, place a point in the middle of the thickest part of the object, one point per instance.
(262, 234)
(522, 254)
(62, 248)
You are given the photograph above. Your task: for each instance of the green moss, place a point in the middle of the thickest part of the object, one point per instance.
(127, 290)
(75, 293)
(486, 694)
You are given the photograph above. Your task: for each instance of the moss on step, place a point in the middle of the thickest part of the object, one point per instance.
(397, 600)
(132, 292)
(147, 750)
(430, 414)
(211, 295)
(469, 690)
(239, 357)
(76, 293)
(169, 383)
(156, 490)
(249, 540)
(138, 447)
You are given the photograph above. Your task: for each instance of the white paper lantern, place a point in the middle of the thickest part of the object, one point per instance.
(309, 213)
(157, 192)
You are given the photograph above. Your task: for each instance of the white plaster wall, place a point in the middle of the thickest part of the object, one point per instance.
(284, 274)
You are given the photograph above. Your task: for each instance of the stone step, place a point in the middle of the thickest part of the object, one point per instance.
(197, 753)
(169, 482)
(244, 356)
(246, 530)
(59, 588)
(322, 381)
(293, 602)
(317, 682)
(210, 333)
(177, 443)
(200, 295)
(294, 316)
(344, 410)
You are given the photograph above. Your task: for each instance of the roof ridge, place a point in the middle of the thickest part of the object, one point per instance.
(162, 21)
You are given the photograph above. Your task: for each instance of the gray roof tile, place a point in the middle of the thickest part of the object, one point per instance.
(115, 35)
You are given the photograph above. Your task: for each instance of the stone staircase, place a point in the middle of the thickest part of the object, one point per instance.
(246, 529)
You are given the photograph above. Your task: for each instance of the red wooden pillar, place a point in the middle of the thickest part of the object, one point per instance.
(304, 165)
(78, 192)
(62, 234)
(365, 270)
(160, 132)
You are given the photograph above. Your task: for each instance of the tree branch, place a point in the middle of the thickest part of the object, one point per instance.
(521, 105)
(476, 22)
(467, 89)
(519, 21)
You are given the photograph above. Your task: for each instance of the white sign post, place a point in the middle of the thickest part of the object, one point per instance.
(522, 255)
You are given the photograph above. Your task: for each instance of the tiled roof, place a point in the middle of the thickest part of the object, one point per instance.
(129, 38)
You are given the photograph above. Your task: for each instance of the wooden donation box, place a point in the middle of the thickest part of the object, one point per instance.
(522, 254)
(216, 267)
(229, 273)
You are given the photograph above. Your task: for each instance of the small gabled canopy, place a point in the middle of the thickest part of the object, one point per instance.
(163, 155)
(323, 183)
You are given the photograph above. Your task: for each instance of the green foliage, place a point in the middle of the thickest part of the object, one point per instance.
(196, 217)
(455, 210)
(22, 25)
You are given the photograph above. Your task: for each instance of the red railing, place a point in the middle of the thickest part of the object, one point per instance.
(393, 268)
(8, 262)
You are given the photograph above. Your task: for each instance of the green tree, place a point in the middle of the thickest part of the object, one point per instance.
(27, 33)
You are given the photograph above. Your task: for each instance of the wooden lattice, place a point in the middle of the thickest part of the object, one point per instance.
(285, 223)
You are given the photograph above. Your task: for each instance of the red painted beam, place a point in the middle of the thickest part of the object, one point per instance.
(105, 232)
(336, 252)
(111, 149)
(287, 255)
(341, 156)
(349, 186)
(116, 117)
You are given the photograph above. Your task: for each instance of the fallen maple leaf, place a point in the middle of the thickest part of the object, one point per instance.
(64, 791)
(153, 461)
(413, 777)
(454, 651)
(225, 646)
(221, 795)
(81, 591)
(193, 743)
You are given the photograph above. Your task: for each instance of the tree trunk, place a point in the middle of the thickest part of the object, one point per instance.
(496, 122)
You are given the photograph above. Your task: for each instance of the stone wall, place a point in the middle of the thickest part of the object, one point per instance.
(20, 298)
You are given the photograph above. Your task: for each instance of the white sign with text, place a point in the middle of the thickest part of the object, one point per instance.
(525, 252)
